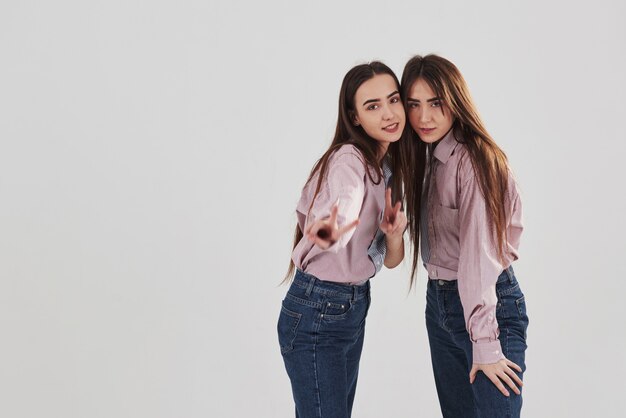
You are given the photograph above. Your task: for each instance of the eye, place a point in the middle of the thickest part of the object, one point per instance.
(372, 107)
(395, 99)
(413, 105)
(436, 103)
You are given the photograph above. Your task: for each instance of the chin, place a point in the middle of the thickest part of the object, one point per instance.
(430, 139)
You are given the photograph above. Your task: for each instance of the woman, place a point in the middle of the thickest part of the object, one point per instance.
(464, 214)
(347, 228)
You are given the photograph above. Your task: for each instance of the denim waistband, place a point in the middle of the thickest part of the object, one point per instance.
(507, 276)
(334, 289)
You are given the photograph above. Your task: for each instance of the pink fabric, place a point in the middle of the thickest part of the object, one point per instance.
(460, 243)
(347, 183)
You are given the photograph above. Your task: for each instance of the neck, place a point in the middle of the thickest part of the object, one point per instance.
(382, 150)
(439, 140)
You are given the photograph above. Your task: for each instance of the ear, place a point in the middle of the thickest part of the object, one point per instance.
(355, 119)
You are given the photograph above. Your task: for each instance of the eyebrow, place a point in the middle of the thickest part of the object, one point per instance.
(434, 99)
(378, 100)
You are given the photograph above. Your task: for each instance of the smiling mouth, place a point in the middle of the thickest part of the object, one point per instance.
(391, 128)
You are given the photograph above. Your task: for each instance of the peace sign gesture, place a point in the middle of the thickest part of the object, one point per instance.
(394, 220)
(325, 232)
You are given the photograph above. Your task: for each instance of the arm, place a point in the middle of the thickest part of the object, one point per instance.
(395, 251)
(479, 268)
(393, 225)
(478, 272)
(339, 200)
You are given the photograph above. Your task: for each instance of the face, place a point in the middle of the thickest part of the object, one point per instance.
(379, 110)
(428, 115)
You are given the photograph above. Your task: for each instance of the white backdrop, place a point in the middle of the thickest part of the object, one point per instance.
(152, 154)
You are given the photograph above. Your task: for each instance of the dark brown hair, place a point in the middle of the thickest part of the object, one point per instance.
(488, 160)
(347, 133)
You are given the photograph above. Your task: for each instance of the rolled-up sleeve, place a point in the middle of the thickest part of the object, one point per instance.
(478, 271)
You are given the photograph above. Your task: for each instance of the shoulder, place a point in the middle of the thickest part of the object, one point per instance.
(348, 155)
(348, 152)
(467, 171)
(463, 163)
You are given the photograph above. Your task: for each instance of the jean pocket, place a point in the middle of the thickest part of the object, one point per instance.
(511, 303)
(336, 310)
(521, 308)
(288, 322)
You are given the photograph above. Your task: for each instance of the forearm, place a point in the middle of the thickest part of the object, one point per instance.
(395, 251)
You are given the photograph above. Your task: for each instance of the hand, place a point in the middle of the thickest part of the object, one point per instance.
(499, 372)
(325, 232)
(394, 220)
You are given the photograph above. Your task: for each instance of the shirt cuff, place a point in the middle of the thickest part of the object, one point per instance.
(487, 353)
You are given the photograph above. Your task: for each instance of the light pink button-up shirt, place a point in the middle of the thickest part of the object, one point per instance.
(458, 243)
(347, 183)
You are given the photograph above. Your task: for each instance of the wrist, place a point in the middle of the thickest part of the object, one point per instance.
(394, 240)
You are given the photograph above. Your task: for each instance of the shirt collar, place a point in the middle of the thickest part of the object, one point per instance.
(445, 147)
(386, 171)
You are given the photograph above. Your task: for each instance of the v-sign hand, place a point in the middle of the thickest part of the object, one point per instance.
(394, 220)
(325, 232)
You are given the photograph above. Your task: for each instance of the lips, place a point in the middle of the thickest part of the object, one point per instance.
(426, 130)
(391, 128)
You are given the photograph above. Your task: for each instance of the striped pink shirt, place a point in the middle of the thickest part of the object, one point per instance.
(457, 242)
(346, 261)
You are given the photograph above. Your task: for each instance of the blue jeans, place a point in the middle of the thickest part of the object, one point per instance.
(451, 349)
(320, 331)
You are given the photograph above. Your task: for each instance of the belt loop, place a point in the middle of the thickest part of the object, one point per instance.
(309, 289)
(509, 273)
(355, 292)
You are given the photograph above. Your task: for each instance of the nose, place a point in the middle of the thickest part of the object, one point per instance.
(387, 113)
(424, 115)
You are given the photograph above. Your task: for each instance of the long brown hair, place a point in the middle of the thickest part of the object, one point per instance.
(347, 133)
(488, 160)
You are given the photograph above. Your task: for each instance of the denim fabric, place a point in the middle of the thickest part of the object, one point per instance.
(320, 331)
(451, 349)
